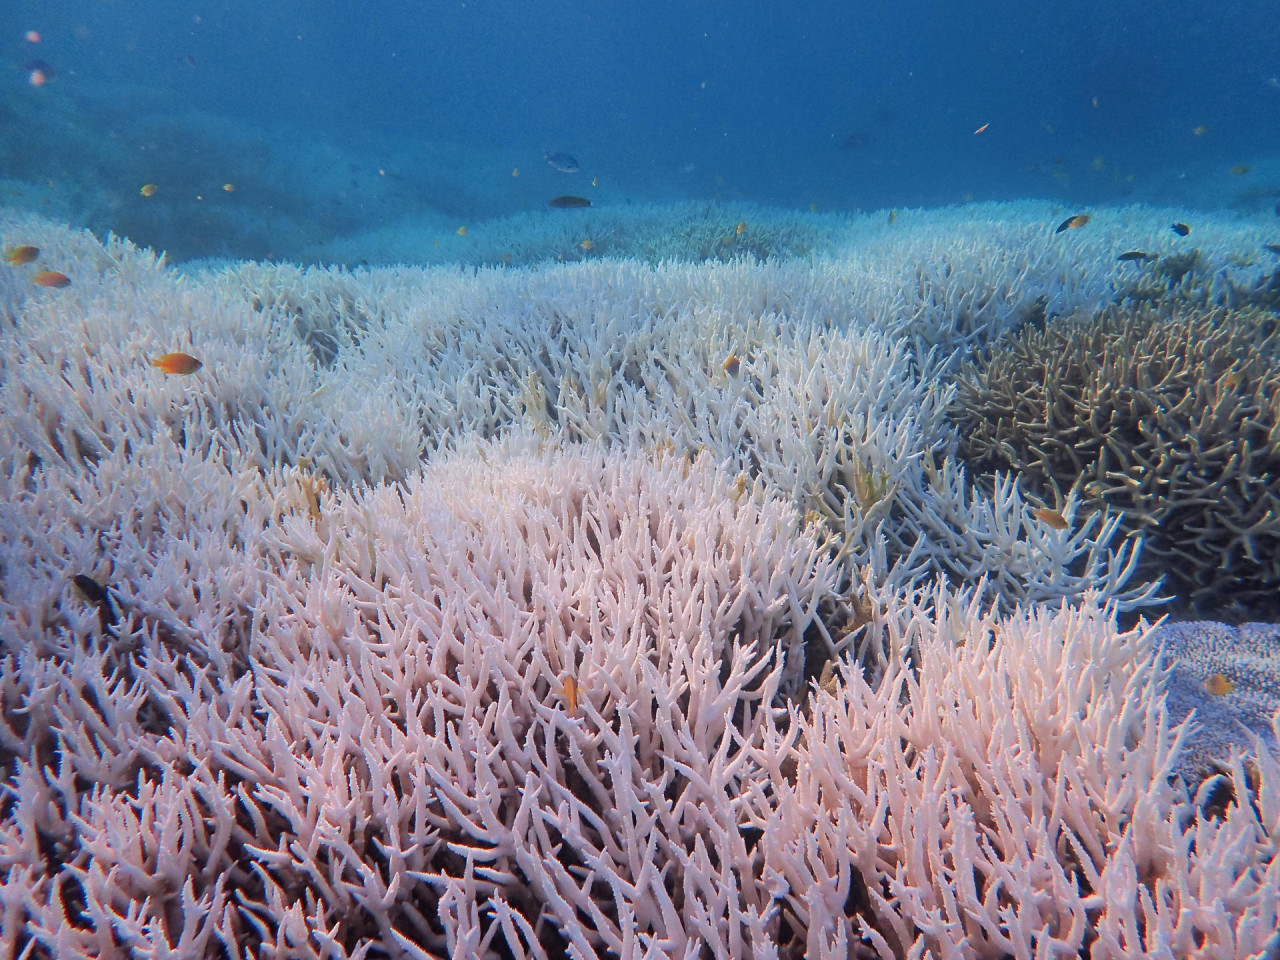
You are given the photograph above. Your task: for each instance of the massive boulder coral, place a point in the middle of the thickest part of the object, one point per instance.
(1171, 418)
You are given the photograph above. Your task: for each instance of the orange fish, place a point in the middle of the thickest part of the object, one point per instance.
(461, 231)
(587, 244)
(176, 363)
(515, 171)
(148, 189)
(32, 36)
(1052, 518)
(569, 689)
(742, 225)
(1073, 223)
(981, 128)
(732, 365)
(229, 187)
(51, 278)
(1219, 685)
(23, 254)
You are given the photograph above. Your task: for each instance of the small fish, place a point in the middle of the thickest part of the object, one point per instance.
(229, 187)
(51, 278)
(1181, 229)
(38, 73)
(893, 216)
(1136, 255)
(981, 129)
(1052, 518)
(32, 36)
(742, 225)
(1200, 130)
(148, 190)
(1073, 223)
(1273, 247)
(176, 363)
(587, 244)
(515, 171)
(569, 690)
(562, 162)
(22, 254)
(813, 208)
(461, 231)
(1099, 163)
(1240, 169)
(1219, 685)
(97, 595)
(732, 365)
(595, 181)
(568, 200)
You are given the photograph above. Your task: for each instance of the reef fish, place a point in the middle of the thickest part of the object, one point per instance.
(1136, 255)
(1073, 223)
(568, 200)
(21, 254)
(176, 363)
(562, 162)
(51, 278)
(1181, 229)
(97, 595)
(1052, 518)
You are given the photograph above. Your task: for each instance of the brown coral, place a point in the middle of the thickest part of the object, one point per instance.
(1171, 417)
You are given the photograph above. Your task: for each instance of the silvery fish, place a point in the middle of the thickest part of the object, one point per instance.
(562, 162)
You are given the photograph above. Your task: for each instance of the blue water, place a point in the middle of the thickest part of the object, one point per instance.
(335, 118)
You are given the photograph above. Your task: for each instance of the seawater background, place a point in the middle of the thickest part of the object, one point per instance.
(336, 118)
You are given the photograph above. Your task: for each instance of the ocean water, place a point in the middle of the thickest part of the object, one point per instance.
(339, 120)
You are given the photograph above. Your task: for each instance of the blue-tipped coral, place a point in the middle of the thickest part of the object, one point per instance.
(1230, 676)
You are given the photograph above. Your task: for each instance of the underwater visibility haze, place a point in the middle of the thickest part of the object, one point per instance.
(333, 118)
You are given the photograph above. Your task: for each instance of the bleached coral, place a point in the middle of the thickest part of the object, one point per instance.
(1010, 797)
(481, 625)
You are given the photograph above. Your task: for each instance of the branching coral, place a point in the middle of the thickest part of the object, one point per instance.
(482, 626)
(1171, 419)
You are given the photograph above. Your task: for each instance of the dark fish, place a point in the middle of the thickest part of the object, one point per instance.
(1073, 223)
(1181, 229)
(97, 595)
(1136, 255)
(562, 162)
(569, 200)
(1273, 247)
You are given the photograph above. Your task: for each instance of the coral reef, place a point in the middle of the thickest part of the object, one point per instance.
(488, 613)
(1228, 676)
(1168, 417)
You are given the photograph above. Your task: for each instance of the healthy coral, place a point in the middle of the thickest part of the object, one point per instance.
(1171, 418)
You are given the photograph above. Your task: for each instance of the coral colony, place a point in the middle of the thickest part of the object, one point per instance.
(678, 603)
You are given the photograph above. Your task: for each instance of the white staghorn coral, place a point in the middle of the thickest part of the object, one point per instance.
(472, 614)
(1010, 797)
